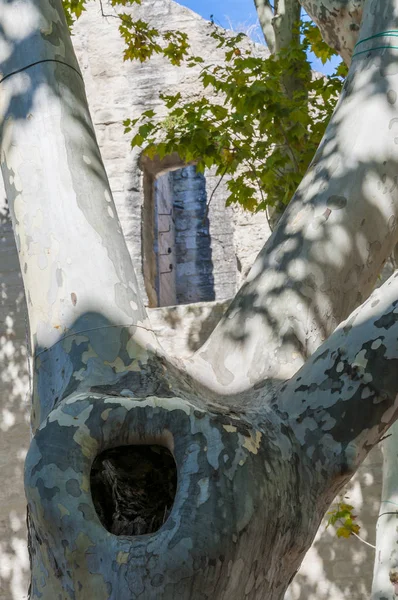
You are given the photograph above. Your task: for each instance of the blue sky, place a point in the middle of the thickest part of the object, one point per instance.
(239, 12)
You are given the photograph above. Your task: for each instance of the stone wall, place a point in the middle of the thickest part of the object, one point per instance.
(334, 569)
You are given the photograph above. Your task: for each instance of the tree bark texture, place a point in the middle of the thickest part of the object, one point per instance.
(271, 418)
(339, 22)
(332, 241)
(385, 576)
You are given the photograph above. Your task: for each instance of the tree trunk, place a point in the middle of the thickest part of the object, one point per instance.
(280, 25)
(147, 478)
(339, 22)
(385, 576)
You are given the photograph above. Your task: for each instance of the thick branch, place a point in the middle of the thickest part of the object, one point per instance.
(330, 245)
(285, 23)
(339, 22)
(343, 400)
(80, 285)
(265, 16)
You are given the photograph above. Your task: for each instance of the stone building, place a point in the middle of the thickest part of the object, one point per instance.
(189, 263)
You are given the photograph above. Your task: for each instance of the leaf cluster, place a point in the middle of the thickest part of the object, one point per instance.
(73, 10)
(342, 515)
(261, 123)
(141, 40)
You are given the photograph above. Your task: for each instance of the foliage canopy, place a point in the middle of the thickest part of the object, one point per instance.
(252, 129)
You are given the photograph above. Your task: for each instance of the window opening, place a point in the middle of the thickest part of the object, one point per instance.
(182, 242)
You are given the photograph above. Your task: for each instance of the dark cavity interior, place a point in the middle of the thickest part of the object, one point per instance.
(133, 488)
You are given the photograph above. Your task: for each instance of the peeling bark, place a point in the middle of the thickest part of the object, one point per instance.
(258, 459)
(339, 22)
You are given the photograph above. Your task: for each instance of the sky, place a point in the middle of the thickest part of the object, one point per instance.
(237, 11)
(240, 13)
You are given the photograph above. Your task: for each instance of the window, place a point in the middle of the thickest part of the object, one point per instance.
(178, 241)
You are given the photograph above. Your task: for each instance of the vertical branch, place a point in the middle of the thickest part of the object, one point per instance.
(331, 243)
(265, 16)
(87, 322)
(286, 18)
(385, 574)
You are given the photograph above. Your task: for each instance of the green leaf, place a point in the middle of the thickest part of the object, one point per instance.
(258, 130)
(343, 532)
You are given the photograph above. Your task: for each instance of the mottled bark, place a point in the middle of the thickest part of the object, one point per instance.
(385, 576)
(290, 453)
(332, 241)
(255, 469)
(280, 25)
(339, 22)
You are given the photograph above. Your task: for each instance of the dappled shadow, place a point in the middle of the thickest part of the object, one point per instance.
(29, 68)
(324, 258)
(14, 416)
(290, 243)
(183, 329)
(338, 568)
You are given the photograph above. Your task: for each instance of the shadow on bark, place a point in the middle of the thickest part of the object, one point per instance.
(328, 249)
(238, 526)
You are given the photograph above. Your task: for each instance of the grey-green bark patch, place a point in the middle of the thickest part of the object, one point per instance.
(392, 96)
(212, 524)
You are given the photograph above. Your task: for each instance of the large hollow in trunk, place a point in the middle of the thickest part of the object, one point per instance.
(133, 488)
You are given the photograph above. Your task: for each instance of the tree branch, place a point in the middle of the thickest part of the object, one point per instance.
(343, 400)
(265, 16)
(339, 22)
(329, 247)
(60, 201)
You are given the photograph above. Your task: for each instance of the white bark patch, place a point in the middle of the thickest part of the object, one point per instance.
(19, 24)
(360, 360)
(366, 392)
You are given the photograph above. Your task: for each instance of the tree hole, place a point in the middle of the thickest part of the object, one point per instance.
(133, 488)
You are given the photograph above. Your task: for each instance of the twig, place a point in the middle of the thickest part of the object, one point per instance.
(212, 194)
(104, 15)
(382, 440)
(364, 541)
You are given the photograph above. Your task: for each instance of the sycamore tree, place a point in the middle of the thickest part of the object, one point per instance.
(149, 477)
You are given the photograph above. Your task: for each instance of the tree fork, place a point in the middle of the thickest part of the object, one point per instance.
(256, 470)
(331, 243)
